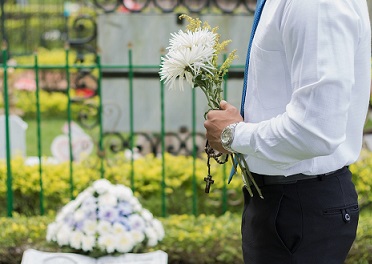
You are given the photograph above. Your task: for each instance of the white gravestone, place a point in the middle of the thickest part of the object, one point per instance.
(32, 256)
(17, 131)
(82, 144)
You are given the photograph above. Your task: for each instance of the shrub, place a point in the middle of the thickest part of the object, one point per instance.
(52, 104)
(147, 179)
(362, 177)
(147, 183)
(188, 239)
(360, 252)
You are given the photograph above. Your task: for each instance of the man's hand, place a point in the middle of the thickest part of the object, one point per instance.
(217, 120)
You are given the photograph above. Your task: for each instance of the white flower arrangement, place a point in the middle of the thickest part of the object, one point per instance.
(105, 218)
(193, 57)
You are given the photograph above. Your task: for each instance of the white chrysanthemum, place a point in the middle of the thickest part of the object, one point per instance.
(68, 209)
(63, 235)
(159, 229)
(107, 242)
(125, 242)
(89, 204)
(84, 195)
(188, 39)
(138, 236)
(184, 64)
(135, 204)
(123, 193)
(107, 199)
(90, 227)
(118, 228)
(104, 227)
(78, 215)
(151, 236)
(88, 243)
(136, 222)
(51, 231)
(147, 215)
(76, 237)
(101, 186)
(189, 54)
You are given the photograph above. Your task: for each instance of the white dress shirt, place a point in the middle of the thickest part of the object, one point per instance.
(308, 87)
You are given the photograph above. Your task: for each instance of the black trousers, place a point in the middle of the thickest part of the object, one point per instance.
(309, 222)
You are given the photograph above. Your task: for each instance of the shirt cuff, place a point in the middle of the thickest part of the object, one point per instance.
(242, 138)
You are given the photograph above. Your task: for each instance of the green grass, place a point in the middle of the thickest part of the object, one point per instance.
(50, 128)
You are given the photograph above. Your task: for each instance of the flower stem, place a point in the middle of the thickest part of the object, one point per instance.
(247, 176)
(244, 175)
(251, 178)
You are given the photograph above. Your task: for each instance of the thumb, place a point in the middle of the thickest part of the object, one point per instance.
(224, 105)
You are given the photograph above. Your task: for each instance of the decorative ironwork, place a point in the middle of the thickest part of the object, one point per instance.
(145, 143)
(167, 6)
(192, 5)
(88, 116)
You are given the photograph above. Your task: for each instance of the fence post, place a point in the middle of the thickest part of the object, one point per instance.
(100, 107)
(38, 120)
(131, 126)
(3, 33)
(67, 70)
(7, 133)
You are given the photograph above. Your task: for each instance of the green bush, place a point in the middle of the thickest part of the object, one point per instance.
(362, 177)
(147, 182)
(147, 176)
(188, 239)
(52, 104)
(360, 252)
(26, 24)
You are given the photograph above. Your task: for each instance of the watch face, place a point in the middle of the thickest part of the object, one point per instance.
(226, 136)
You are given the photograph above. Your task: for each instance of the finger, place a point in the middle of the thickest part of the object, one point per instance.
(206, 124)
(210, 114)
(225, 105)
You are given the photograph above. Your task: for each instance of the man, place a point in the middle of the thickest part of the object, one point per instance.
(306, 102)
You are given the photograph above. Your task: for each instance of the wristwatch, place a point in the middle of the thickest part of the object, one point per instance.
(227, 137)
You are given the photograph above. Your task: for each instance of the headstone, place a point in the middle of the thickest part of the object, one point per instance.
(368, 141)
(82, 144)
(17, 132)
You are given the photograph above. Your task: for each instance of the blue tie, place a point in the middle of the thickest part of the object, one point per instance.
(257, 14)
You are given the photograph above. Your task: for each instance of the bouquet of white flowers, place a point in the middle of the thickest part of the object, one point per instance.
(105, 218)
(193, 58)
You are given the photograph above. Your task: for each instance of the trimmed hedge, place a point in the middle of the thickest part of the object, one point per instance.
(147, 183)
(188, 240)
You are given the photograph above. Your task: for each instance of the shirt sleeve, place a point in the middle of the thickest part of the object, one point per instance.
(319, 39)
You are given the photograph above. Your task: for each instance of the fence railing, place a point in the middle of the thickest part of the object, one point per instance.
(130, 69)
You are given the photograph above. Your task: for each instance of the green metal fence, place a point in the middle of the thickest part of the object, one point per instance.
(67, 67)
